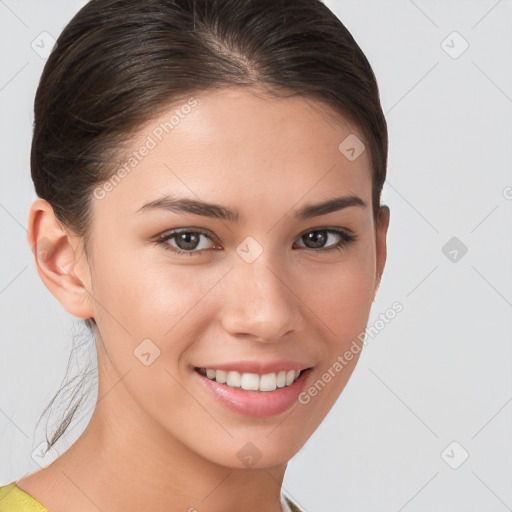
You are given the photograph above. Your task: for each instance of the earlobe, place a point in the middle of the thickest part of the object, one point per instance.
(381, 230)
(59, 263)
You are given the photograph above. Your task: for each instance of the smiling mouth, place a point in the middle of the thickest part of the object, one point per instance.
(252, 381)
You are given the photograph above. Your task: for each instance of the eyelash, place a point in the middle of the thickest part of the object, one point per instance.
(345, 240)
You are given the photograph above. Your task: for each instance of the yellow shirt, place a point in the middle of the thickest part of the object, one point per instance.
(13, 499)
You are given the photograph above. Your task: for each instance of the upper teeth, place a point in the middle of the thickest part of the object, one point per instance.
(253, 381)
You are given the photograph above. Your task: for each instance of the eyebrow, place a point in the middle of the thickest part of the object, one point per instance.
(186, 205)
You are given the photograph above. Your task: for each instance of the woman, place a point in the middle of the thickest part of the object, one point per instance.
(209, 176)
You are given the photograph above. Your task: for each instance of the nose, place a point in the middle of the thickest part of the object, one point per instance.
(260, 302)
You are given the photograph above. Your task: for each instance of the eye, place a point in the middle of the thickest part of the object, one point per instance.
(186, 241)
(317, 239)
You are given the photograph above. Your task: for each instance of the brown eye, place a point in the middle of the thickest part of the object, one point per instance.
(188, 242)
(315, 239)
(318, 238)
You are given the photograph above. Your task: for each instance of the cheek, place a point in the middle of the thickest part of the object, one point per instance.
(343, 309)
(341, 297)
(138, 299)
(170, 298)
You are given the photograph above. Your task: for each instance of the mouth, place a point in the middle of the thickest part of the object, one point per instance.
(254, 394)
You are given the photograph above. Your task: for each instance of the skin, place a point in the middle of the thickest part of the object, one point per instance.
(154, 429)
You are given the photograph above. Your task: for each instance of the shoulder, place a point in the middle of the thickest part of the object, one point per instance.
(13, 499)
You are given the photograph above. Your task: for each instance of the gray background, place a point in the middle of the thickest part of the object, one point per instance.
(440, 372)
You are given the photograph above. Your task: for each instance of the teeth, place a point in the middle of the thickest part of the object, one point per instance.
(290, 377)
(234, 379)
(281, 379)
(268, 382)
(252, 381)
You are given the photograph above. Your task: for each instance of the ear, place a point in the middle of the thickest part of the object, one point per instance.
(381, 229)
(60, 260)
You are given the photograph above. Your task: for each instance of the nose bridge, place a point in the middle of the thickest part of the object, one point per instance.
(260, 302)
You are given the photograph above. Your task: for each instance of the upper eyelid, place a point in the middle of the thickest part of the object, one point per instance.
(168, 234)
(210, 235)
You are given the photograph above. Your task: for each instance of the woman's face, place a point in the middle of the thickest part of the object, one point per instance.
(267, 282)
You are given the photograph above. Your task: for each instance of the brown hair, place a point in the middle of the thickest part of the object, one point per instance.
(118, 63)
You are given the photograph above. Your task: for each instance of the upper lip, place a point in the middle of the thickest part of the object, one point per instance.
(258, 367)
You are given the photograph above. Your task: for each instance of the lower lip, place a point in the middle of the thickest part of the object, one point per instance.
(259, 404)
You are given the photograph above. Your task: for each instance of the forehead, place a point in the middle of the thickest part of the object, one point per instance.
(245, 144)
